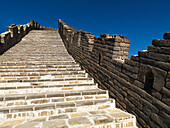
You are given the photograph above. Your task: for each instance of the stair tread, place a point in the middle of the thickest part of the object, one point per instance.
(41, 85)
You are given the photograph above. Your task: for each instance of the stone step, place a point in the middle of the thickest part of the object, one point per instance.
(39, 66)
(49, 87)
(47, 80)
(58, 96)
(108, 118)
(22, 74)
(41, 69)
(54, 108)
(43, 78)
(42, 86)
(13, 63)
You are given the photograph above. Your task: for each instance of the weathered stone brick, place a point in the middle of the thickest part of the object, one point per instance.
(163, 65)
(53, 124)
(159, 78)
(166, 92)
(161, 106)
(138, 84)
(166, 100)
(153, 49)
(132, 63)
(161, 43)
(157, 120)
(147, 61)
(147, 105)
(166, 35)
(156, 94)
(142, 72)
(143, 54)
(165, 117)
(158, 56)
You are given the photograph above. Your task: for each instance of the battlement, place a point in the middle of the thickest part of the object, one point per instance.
(140, 84)
(14, 33)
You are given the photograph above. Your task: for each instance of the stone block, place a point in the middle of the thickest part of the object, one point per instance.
(142, 72)
(132, 63)
(130, 68)
(147, 112)
(157, 119)
(147, 105)
(152, 124)
(164, 50)
(55, 124)
(158, 56)
(167, 84)
(159, 78)
(143, 54)
(166, 35)
(130, 74)
(138, 84)
(156, 94)
(142, 115)
(28, 125)
(153, 49)
(166, 92)
(5, 37)
(142, 123)
(161, 106)
(163, 65)
(161, 43)
(102, 119)
(166, 100)
(79, 121)
(165, 117)
(14, 31)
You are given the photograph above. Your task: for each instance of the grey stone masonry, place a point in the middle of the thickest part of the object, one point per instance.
(41, 86)
(14, 34)
(140, 84)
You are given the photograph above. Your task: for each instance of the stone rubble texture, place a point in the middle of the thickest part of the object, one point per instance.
(41, 86)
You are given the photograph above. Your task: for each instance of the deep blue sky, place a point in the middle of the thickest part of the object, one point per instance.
(140, 20)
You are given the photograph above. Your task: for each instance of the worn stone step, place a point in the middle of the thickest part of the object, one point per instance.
(59, 96)
(54, 108)
(41, 69)
(10, 63)
(48, 83)
(41, 84)
(45, 88)
(5, 74)
(109, 118)
(42, 79)
(38, 66)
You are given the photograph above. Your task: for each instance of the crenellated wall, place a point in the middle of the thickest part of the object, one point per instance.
(140, 84)
(14, 33)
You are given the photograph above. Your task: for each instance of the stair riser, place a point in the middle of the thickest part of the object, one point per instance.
(39, 67)
(55, 111)
(15, 103)
(39, 73)
(59, 77)
(43, 90)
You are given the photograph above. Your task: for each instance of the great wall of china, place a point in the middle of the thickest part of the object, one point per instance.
(42, 84)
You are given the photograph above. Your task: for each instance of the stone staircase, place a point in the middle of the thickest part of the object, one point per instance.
(41, 86)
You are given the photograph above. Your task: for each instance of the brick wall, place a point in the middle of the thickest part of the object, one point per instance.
(140, 84)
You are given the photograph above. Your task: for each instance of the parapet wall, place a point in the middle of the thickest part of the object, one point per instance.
(14, 33)
(139, 84)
